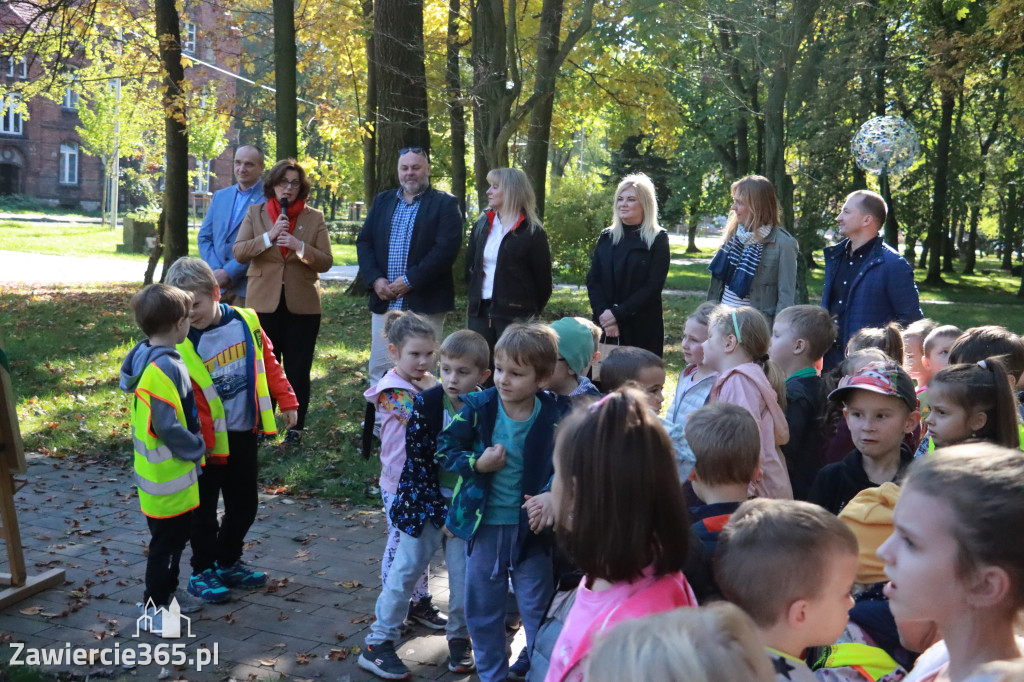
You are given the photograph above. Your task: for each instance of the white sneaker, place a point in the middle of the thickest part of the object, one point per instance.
(153, 620)
(187, 603)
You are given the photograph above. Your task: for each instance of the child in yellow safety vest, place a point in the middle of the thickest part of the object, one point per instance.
(236, 378)
(168, 446)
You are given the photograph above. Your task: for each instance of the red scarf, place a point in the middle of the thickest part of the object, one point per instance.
(294, 209)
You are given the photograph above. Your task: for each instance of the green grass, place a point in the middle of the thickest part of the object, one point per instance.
(96, 241)
(66, 239)
(66, 344)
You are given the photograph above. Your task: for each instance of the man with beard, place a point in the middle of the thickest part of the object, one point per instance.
(406, 250)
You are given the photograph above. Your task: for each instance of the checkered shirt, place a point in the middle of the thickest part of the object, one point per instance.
(402, 221)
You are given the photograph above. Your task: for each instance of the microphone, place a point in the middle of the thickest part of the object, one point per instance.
(284, 204)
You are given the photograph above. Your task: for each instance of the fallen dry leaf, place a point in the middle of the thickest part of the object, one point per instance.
(302, 659)
(31, 611)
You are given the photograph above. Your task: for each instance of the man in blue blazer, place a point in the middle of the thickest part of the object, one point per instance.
(220, 226)
(406, 250)
(867, 282)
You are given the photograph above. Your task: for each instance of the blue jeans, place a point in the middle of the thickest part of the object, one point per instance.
(487, 573)
(411, 558)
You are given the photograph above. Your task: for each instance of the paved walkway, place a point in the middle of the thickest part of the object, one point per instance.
(308, 623)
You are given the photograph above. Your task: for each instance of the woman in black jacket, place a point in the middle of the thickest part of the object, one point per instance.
(629, 268)
(508, 264)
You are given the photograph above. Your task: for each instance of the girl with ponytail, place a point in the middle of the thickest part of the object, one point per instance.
(737, 348)
(972, 402)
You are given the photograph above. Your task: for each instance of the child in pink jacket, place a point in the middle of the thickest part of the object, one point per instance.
(413, 345)
(737, 348)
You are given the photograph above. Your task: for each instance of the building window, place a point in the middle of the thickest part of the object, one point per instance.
(203, 177)
(71, 94)
(16, 67)
(69, 164)
(188, 37)
(10, 120)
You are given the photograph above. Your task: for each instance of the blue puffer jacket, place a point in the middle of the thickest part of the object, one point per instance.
(884, 291)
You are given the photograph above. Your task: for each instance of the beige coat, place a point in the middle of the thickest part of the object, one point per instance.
(269, 269)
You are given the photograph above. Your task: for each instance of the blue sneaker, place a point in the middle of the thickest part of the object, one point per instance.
(208, 587)
(519, 669)
(240, 575)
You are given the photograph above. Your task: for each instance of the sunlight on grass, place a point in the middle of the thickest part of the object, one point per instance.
(82, 239)
(66, 344)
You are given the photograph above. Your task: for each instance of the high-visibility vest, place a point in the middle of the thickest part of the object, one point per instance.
(873, 663)
(167, 485)
(202, 380)
(201, 376)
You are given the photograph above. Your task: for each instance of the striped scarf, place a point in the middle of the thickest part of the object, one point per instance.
(736, 262)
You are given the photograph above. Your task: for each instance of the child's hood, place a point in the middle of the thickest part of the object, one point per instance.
(138, 359)
(390, 380)
(756, 375)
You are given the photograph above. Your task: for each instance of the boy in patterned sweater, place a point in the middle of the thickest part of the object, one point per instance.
(419, 512)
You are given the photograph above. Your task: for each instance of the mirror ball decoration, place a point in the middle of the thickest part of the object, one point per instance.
(885, 145)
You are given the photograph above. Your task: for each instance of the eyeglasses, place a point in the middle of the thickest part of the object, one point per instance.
(294, 184)
(414, 150)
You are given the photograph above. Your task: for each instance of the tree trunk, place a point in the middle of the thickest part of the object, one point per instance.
(937, 223)
(1009, 225)
(286, 104)
(497, 84)
(401, 83)
(948, 247)
(560, 157)
(971, 255)
(175, 134)
(986, 144)
(909, 251)
(892, 225)
(456, 112)
(370, 186)
(691, 232)
(793, 26)
(490, 94)
(539, 133)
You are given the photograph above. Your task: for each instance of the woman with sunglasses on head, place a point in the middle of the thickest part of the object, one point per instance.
(508, 263)
(288, 245)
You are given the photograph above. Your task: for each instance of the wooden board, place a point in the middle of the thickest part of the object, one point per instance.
(11, 449)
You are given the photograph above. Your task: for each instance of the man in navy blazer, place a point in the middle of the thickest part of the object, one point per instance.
(406, 250)
(220, 225)
(867, 282)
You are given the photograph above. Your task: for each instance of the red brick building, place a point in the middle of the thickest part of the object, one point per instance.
(41, 154)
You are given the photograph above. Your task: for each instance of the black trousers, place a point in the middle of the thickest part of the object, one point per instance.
(237, 480)
(294, 337)
(167, 541)
(491, 328)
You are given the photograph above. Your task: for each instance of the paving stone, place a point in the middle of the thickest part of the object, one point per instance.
(342, 545)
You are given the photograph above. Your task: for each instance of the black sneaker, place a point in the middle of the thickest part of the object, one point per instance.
(518, 670)
(293, 437)
(460, 656)
(425, 613)
(382, 661)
